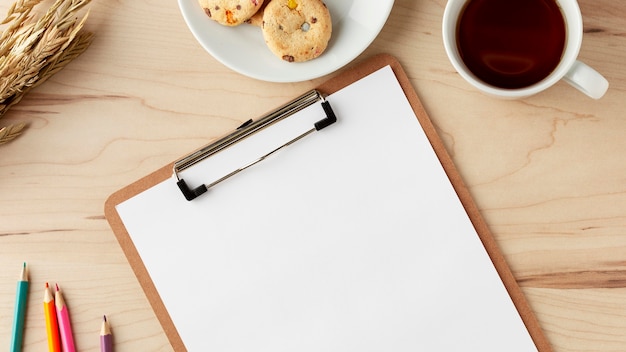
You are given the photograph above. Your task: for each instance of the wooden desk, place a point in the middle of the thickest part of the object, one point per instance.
(548, 172)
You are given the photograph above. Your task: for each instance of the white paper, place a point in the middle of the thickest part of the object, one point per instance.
(351, 239)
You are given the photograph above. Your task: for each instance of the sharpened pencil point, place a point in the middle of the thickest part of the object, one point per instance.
(24, 273)
(57, 285)
(106, 339)
(47, 286)
(20, 310)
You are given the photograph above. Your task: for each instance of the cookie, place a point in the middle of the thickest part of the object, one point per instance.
(257, 18)
(230, 12)
(296, 30)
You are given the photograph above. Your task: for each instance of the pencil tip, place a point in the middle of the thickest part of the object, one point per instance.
(57, 285)
(105, 318)
(47, 286)
(24, 275)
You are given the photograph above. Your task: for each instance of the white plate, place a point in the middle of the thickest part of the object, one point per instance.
(356, 23)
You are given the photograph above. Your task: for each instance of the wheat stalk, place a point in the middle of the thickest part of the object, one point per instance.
(9, 133)
(33, 49)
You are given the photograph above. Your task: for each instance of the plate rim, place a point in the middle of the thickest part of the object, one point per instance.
(306, 74)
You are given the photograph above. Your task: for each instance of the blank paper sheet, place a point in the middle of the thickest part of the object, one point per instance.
(352, 239)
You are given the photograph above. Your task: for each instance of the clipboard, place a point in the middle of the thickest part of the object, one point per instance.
(528, 322)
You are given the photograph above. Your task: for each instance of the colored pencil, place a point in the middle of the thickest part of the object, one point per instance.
(106, 338)
(52, 325)
(20, 311)
(63, 317)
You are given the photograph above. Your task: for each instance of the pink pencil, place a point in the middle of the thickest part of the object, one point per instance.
(65, 328)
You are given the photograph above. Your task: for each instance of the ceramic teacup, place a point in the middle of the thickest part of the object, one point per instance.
(464, 43)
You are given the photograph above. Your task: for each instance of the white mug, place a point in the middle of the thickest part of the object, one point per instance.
(571, 70)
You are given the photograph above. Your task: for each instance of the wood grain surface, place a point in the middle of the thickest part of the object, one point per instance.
(547, 172)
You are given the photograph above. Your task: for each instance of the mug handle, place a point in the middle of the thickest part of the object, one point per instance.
(589, 81)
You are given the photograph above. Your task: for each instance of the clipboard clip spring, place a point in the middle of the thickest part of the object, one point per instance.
(247, 129)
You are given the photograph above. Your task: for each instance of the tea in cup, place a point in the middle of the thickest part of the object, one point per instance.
(517, 48)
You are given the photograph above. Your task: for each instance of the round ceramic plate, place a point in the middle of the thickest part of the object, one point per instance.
(356, 23)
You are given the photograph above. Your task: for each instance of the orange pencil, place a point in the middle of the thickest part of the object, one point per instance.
(52, 326)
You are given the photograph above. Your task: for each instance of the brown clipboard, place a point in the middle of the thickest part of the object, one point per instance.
(334, 84)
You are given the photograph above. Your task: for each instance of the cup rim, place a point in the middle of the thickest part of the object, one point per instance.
(574, 31)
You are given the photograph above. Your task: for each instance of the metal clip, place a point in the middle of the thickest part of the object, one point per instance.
(246, 130)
